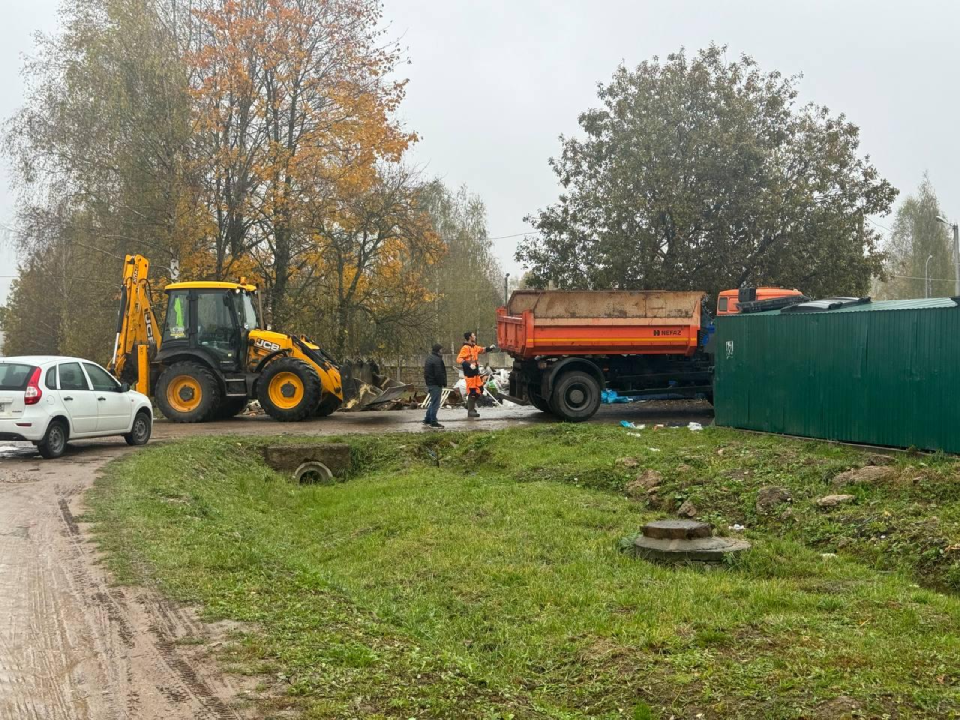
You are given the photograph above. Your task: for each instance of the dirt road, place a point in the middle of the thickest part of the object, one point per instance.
(73, 647)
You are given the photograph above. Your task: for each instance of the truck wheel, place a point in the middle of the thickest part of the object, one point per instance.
(576, 397)
(538, 402)
(187, 392)
(230, 407)
(289, 390)
(329, 405)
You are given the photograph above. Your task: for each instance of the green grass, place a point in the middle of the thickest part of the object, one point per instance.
(492, 586)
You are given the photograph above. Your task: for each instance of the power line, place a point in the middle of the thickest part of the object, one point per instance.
(874, 222)
(506, 237)
(914, 277)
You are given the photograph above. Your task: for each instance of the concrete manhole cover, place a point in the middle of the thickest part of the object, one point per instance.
(684, 541)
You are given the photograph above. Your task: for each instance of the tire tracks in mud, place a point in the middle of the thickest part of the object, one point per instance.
(71, 646)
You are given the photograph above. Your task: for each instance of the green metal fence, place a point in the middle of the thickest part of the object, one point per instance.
(883, 373)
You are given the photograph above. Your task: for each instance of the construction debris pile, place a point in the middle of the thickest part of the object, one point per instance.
(365, 388)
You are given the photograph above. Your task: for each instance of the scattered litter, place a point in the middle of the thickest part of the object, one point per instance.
(737, 527)
(635, 434)
(695, 426)
(654, 449)
(827, 556)
(609, 397)
(627, 424)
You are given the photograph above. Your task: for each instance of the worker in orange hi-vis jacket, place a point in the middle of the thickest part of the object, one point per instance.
(469, 361)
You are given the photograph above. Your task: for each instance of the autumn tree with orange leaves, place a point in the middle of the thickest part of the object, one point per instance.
(295, 130)
(235, 137)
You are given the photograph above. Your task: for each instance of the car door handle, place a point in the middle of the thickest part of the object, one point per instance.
(101, 398)
(67, 399)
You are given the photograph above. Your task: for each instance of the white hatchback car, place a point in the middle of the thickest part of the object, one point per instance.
(49, 400)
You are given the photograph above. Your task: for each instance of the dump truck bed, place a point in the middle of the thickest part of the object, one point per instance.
(599, 322)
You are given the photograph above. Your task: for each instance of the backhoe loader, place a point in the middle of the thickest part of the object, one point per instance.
(213, 355)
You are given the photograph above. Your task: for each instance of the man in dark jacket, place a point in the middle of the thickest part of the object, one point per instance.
(435, 377)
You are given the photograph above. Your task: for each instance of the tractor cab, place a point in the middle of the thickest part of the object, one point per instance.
(215, 318)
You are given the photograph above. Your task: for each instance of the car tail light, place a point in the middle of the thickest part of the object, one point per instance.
(33, 393)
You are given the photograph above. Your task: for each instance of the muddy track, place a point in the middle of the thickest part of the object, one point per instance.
(72, 646)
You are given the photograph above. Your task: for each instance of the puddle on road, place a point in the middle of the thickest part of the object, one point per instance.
(16, 451)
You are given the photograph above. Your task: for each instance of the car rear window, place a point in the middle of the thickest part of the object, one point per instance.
(15, 376)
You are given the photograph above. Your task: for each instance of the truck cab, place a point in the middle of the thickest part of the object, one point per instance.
(728, 301)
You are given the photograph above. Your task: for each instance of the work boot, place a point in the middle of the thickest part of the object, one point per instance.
(472, 407)
(436, 425)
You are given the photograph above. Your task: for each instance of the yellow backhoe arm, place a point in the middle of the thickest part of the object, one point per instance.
(136, 341)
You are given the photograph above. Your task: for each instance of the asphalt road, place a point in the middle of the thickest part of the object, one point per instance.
(72, 646)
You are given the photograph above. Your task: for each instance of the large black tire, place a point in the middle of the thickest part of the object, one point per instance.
(536, 400)
(289, 390)
(188, 392)
(575, 397)
(54, 440)
(230, 407)
(142, 429)
(329, 405)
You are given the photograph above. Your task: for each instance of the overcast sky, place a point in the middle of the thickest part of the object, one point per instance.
(493, 83)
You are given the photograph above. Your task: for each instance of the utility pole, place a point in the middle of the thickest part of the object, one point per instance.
(956, 253)
(926, 277)
(506, 280)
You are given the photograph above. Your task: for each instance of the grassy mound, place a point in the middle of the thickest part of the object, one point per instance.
(478, 576)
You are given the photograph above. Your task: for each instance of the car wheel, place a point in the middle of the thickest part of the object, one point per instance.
(54, 440)
(142, 428)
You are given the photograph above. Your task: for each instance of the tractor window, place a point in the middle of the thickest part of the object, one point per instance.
(722, 305)
(217, 327)
(249, 313)
(177, 322)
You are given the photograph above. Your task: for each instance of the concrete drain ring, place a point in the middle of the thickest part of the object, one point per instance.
(313, 473)
(684, 541)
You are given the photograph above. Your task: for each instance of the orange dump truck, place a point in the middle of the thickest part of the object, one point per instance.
(570, 345)
(729, 302)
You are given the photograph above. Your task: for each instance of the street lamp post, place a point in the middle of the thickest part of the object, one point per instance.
(926, 277)
(506, 279)
(956, 253)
